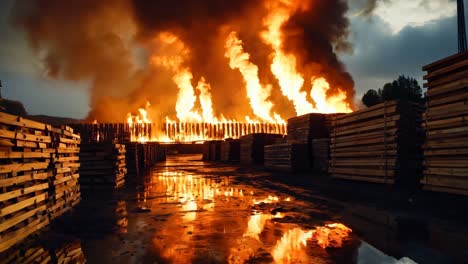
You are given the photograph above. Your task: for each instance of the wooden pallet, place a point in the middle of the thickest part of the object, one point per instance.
(379, 144)
(446, 124)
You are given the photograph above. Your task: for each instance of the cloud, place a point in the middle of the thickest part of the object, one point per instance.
(399, 14)
(380, 55)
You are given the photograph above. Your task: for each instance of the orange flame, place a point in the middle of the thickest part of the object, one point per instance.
(258, 94)
(284, 66)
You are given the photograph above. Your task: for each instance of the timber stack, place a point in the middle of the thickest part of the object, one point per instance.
(230, 150)
(446, 124)
(252, 147)
(64, 185)
(26, 149)
(288, 157)
(102, 165)
(56, 251)
(320, 152)
(212, 150)
(304, 129)
(381, 144)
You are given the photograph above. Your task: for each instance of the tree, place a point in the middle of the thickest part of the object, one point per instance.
(403, 88)
(371, 98)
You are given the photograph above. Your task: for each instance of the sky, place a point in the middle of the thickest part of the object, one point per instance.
(398, 38)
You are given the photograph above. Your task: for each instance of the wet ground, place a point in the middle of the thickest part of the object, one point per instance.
(189, 211)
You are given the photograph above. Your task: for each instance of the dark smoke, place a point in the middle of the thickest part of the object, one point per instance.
(107, 44)
(315, 35)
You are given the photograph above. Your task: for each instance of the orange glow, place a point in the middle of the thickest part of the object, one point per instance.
(258, 94)
(284, 66)
(291, 247)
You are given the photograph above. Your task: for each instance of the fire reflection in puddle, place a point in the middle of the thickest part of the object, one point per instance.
(209, 217)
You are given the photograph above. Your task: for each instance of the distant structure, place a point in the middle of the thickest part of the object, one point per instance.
(461, 26)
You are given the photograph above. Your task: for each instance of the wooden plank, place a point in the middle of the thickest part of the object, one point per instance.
(446, 181)
(447, 99)
(380, 120)
(456, 172)
(363, 178)
(364, 154)
(448, 131)
(363, 162)
(380, 127)
(447, 88)
(18, 167)
(389, 133)
(17, 236)
(16, 193)
(369, 172)
(16, 180)
(22, 122)
(376, 140)
(446, 152)
(4, 225)
(23, 155)
(20, 205)
(447, 79)
(361, 116)
(445, 62)
(446, 70)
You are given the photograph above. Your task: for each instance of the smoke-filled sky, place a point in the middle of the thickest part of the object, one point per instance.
(375, 40)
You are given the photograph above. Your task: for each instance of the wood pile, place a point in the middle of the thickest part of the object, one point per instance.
(70, 253)
(252, 146)
(320, 152)
(132, 158)
(286, 157)
(212, 150)
(65, 188)
(25, 152)
(102, 164)
(36, 254)
(302, 129)
(381, 144)
(230, 150)
(106, 132)
(51, 250)
(446, 124)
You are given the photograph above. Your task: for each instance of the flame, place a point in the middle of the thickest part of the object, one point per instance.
(205, 101)
(258, 94)
(283, 66)
(292, 244)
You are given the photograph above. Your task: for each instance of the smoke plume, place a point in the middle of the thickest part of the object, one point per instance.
(110, 44)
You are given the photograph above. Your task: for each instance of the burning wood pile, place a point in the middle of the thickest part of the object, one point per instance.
(445, 121)
(122, 132)
(102, 165)
(379, 144)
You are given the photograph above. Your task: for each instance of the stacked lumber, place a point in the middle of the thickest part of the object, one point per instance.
(64, 185)
(287, 157)
(102, 164)
(320, 152)
(212, 150)
(230, 150)
(34, 254)
(252, 146)
(25, 152)
(302, 129)
(132, 161)
(446, 124)
(70, 253)
(379, 144)
(50, 250)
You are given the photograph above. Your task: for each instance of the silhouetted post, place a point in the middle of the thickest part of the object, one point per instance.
(461, 26)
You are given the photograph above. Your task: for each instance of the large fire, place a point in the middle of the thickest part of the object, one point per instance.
(195, 118)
